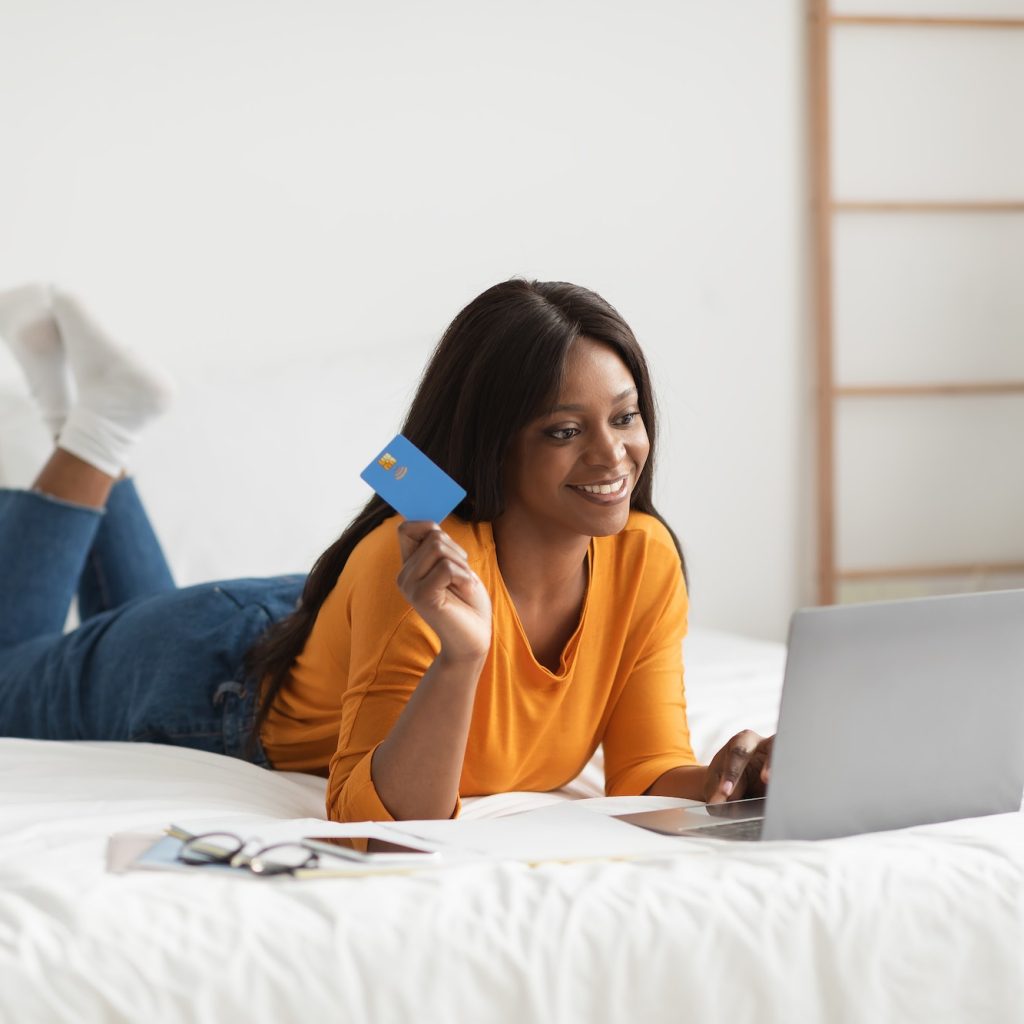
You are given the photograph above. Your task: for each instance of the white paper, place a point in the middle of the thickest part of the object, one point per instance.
(563, 832)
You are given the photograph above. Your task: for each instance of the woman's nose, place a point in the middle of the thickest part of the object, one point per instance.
(605, 449)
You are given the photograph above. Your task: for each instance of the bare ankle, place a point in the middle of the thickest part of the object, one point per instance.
(70, 478)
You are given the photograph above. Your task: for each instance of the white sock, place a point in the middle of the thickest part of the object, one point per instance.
(30, 329)
(118, 393)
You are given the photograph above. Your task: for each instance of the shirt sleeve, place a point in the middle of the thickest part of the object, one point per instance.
(647, 732)
(381, 683)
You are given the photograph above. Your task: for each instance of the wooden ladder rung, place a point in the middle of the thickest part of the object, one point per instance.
(1007, 387)
(930, 571)
(927, 206)
(923, 21)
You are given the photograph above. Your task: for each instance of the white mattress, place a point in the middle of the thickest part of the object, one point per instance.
(926, 924)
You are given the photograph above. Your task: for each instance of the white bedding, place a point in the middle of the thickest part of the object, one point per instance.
(926, 924)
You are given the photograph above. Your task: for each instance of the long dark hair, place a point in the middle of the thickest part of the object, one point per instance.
(497, 367)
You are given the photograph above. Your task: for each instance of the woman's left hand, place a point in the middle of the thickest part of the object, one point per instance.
(740, 769)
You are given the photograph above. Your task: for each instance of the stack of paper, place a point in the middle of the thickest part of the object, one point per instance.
(562, 832)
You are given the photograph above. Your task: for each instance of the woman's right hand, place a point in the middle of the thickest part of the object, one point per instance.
(450, 598)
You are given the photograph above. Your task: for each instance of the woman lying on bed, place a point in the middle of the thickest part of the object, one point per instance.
(542, 618)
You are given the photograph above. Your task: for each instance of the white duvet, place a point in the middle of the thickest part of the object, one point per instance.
(921, 925)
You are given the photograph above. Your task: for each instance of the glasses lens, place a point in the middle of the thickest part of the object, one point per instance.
(274, 860)
(210, 848)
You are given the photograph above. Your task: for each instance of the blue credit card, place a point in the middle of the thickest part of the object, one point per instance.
(411, 484)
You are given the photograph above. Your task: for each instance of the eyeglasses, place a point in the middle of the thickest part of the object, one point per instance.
(231, 850)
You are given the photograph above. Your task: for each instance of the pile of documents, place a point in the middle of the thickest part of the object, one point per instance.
(570, 831)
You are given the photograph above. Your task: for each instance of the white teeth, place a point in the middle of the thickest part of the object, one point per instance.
(603, 488)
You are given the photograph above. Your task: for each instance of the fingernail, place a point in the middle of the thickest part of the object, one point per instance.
(727, 787)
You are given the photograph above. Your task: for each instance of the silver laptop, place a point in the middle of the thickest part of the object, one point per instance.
(893, 713)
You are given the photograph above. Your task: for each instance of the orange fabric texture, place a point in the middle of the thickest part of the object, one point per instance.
(620, 681)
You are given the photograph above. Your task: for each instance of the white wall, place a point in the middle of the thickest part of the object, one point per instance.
(287, 202)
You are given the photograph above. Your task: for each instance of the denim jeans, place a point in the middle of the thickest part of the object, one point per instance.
(149, 662)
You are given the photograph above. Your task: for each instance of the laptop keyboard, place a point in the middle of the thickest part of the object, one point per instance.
(742, 830)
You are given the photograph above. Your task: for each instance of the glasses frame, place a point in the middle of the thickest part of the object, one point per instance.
(256, 862)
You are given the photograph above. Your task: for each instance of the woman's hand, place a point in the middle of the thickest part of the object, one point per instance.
(437, 581)
(740, 769)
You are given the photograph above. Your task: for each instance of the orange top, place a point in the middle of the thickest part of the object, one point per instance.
(620, 681)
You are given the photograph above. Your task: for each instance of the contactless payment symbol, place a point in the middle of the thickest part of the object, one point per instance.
(411, 484)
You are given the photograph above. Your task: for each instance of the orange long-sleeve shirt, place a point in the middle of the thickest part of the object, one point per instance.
(620, 681)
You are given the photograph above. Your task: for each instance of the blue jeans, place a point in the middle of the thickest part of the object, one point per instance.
(149, 662)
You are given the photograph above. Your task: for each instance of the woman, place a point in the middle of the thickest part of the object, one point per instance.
(544, 617)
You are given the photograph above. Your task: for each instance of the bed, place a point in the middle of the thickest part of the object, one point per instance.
(923, 924)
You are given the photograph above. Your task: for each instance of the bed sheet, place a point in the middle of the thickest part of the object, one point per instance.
(923, 924)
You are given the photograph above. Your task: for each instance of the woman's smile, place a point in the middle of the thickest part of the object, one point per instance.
(605, 492)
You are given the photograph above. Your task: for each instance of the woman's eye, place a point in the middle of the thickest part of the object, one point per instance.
(563, 433)
(627, 419)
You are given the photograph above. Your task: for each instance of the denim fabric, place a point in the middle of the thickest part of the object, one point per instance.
(149, 662)
(125, 560)
(43, 546)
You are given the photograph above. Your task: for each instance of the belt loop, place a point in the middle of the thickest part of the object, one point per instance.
(230, 686)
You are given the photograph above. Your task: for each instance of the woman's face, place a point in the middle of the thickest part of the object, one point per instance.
(572, 470)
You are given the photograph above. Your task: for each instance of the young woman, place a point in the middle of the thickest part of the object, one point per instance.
(418, 662)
